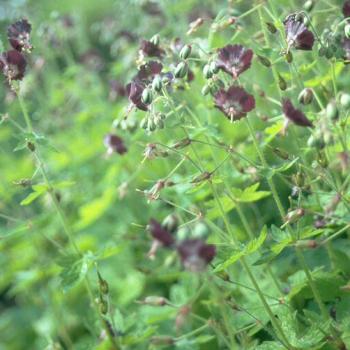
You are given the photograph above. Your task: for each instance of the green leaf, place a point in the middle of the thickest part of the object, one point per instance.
(270, 345)
(215, 212)
(250, 194)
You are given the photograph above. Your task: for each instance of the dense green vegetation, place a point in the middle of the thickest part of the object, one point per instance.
(174, 174)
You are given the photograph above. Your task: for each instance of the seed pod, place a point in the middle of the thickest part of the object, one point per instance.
(289, 57)
(185, 52)
(151, 126)
(155, 301)
(322, 159)
(299, 179)
(306, 96)
(294, 215)
(157, 83)
(146, 96)
(345, 100)
(271, 27)
(205, 90)
(155, 39)
(31, 146)
(207, 72)
(307, 243)
(170, 223)
(103, 306)
(214, 69)
(264, 61)
(282, 83)
(143, 123)
(332, 110)
(347, 30)
(181, 70)
(308, 5)
(103, 285)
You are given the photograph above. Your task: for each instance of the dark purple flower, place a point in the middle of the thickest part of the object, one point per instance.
(298, 35)
(149, 70)
(18, 35)
(295, 115)
(114, 144)
(134, 91)
(346, 48)
(234, 59)
(13, 65)
(346, 8)
(151, 50)
(160, 234)
(195, 254)
(235, 102)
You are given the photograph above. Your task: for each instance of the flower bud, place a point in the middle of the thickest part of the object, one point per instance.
(332, 110)
(281, 153)
(207, 71)
(282, 83)
(103, 306)
(170, 223)
(322, 159)
(345, 100)
(157, 83)
(155, 40)
(271, 27)
(294, 215)
(151, 126)
(162, 340)
(347, 30)
(214, 69)
(308, 5)
(264, 61)
(299, 179)
(143, 123)
(181, 70)
(146, 96)
(306, 96)
(307, 243)
(316, 141)
(182, 143)
(185, 52)
(103, 285)
(205, 90)
(31, 146)
(289, 57)
(200, 230)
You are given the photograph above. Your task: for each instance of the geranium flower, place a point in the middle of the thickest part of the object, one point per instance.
(114, 144)
(298, 36)
(18, 35)
(149, 70)
(235, 102)
(346, 8)
(234, 59)
(160, 234)
(295, 115)
(195, 254)
(151, 50)
(13, 65)
(134, 91)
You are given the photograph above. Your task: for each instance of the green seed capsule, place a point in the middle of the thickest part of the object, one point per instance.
(146, 96)
(316, 141)
(306, 96)
(332, 111)
(185, 52)
(207, 72)
(264, 61)
(345, 100)
(103, 285)
(201, 230)
(151, 126)
(322, 159)
(103, 306)
(205, 89)
(181, 70)
(282, 83)
(289, 57)
(143, 123)
(171, 222)
(157, 83)
(271, 27)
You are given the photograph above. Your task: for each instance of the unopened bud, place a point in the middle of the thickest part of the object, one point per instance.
(345, 100)
(31, 146)
(281, 153)
(322, 159)
(332, 110)
(181, 70)
(182, 143)
(294, 215)
(308, 5)
(103, 285)
(289, 57)
(146, 96)
(170, 223)
(162, 340)
(205, 90)
(103, 306)
(207, 71)
(185, 52)
(157, 83)
(306, 96)
(155, 301)
(143, 123)
(155, 39)
(347, 30)
(307, 243)
(299, 179)
(151, 126)
(282, 83)
(214, 69)
(316, 141)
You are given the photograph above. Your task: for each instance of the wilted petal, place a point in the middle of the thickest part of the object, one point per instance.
(295, 115)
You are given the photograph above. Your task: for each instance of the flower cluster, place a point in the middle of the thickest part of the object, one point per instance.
(194, 254)
(12, 62)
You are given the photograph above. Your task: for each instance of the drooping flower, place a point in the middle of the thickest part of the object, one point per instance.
(160, 233)
(134, 91)
(346, 48)
(234, 59)
(235, 102)
(298, 36)
(295, 115)
(13, 65)
(346, 8)
(114, 144)
(195, 254)
(149, 49)
(18, 35)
